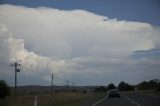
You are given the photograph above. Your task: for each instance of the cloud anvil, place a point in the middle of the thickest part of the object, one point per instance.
(75, 42)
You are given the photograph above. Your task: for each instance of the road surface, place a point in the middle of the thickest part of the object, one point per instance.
(131, 99)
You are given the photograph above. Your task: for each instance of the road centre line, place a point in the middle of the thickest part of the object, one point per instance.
(132, 101)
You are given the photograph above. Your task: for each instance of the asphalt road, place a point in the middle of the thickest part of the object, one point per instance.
(131, 99)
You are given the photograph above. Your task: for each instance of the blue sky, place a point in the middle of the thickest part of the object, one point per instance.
(105, 41)
(131, 10)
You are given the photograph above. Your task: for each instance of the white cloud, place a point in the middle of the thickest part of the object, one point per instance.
(71, 43)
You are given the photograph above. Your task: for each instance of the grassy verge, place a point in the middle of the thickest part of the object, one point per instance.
(57, 99)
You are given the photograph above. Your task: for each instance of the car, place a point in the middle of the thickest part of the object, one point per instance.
(113, 93)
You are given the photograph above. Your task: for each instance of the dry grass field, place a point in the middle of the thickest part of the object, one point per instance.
(56, 99)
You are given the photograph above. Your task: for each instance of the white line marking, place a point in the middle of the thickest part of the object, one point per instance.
(99, 101)
(132, 101)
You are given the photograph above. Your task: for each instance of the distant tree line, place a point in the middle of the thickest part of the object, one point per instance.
(100, 89)
(123, 86)
(149, 85)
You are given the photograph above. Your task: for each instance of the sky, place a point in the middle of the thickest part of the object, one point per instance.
(83, 41)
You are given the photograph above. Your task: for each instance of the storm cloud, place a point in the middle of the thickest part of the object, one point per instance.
(76, 45)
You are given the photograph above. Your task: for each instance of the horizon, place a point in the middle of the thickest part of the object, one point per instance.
(116, 85)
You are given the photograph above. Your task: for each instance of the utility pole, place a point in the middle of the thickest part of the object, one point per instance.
(17, 69)
(73, 84)
(52, 76)
(67, 83)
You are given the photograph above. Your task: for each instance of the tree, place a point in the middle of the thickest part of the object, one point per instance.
(125, 86)
(148, 85)
(143, 85)
(158, 88)
(4, 89)
(153, 84)
(111, 86)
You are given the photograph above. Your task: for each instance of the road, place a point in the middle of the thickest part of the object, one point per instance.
(131, 99)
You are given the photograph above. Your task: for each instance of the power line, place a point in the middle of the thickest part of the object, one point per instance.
(17, 69)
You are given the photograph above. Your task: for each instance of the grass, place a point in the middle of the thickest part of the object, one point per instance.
(57, 99)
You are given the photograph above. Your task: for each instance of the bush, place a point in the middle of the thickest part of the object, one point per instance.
(100, 89)
(84, 91)
(125, 86)
(74, 90)
(4, 89)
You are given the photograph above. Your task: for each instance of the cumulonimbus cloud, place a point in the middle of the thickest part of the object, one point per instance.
(71, 43)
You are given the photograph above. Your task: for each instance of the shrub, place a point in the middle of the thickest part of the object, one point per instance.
(84, 91)
(4, 89)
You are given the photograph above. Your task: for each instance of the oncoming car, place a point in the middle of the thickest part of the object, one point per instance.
(113, 93)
